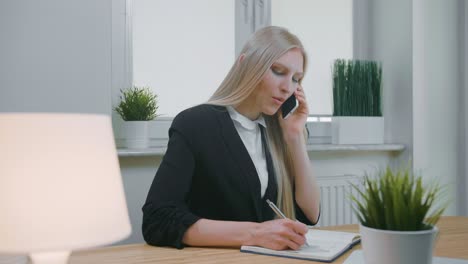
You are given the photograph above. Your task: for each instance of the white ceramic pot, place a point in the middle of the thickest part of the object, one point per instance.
(136, 134)
(402, 247)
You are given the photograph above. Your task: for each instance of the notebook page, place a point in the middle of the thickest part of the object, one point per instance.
(315, 236)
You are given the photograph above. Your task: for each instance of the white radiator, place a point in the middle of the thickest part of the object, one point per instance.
(335, 199)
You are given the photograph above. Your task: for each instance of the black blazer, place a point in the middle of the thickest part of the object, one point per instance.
(205, 173)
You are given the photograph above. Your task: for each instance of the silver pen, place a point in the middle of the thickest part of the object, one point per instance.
(280, 214)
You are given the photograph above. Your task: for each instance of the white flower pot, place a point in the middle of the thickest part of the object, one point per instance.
(402, 247)
(357, 130)
(135, 134)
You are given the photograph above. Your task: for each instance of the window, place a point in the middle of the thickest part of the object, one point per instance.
(325, 29)
(183, 49)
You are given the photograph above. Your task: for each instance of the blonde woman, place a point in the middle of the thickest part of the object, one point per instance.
(225, 158)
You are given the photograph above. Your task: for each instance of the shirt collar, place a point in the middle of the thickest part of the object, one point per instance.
(244, 121)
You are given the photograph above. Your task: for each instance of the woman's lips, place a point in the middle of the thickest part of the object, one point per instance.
(278, 100)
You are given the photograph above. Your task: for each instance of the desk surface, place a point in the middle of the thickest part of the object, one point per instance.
(452, 243)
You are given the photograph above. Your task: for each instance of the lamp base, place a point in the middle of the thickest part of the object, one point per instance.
(50, 257)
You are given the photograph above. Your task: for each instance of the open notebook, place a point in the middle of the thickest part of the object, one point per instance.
(323, 246)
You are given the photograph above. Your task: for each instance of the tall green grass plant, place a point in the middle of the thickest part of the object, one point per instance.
(357, 88)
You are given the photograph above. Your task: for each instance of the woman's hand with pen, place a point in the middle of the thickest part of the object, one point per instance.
(279, 234)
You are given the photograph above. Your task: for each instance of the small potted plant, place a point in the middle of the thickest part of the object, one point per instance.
(357, 102)
(397, 216)
(138, 106)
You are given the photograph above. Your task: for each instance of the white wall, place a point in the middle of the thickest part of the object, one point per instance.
(390, 41)
(463, 164)
(55, 56)
(462, 179)
(436, 88)
(326, 31)
(465, 98)
(423, 95)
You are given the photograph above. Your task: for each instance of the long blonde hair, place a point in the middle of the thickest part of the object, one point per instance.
(264, 47)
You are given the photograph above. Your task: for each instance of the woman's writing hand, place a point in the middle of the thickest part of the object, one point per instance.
(279, 234)
(293, 126)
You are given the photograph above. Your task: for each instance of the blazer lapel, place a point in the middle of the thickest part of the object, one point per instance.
(242, 157)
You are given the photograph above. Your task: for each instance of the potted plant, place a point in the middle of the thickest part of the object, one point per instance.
(357, 102)
(397, 216)
(138, 106)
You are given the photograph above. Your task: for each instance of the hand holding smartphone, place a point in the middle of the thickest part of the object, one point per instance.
(289, 106)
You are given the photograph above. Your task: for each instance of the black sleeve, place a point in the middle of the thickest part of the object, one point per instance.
(300, 216)
(166, 216)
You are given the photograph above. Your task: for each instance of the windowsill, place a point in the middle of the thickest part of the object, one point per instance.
(159, 151)
(152, 151)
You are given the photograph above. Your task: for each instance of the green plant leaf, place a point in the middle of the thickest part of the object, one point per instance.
(357, 88)
(397, 200)
(137, 104)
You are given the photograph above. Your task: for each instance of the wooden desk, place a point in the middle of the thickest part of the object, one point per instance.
(452, 242)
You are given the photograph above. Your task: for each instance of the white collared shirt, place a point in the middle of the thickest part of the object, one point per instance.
(251, 136)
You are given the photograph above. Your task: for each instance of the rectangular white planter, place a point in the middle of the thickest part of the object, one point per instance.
(357, 130)
(319, 132)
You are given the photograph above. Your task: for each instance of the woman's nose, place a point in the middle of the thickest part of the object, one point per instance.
(286, 86)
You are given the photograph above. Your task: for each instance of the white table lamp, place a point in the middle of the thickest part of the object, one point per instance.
(60, 185)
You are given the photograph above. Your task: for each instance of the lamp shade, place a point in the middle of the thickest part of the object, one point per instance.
(60, 183)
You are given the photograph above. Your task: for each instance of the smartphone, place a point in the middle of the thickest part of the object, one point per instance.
(289, 106)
